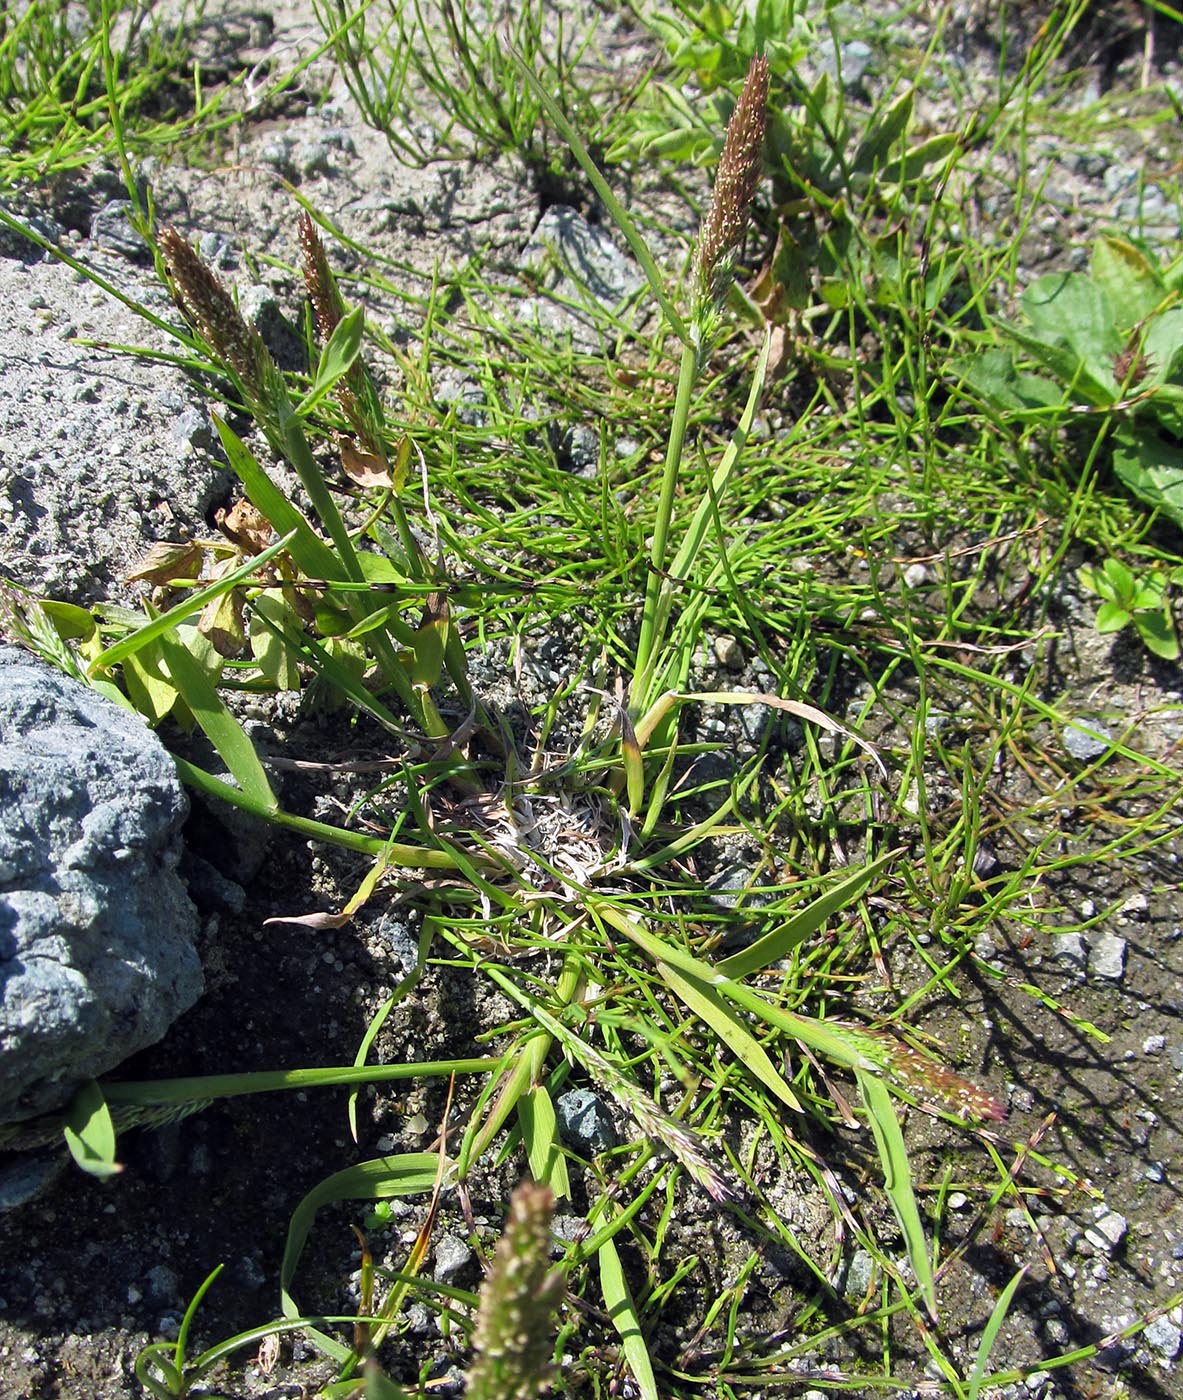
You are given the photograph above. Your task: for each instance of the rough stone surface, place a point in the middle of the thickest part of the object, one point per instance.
(584, 1121)
(579, 264)
(100, 453)
(96, 930)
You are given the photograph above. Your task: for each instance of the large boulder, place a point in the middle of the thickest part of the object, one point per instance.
(96, 930)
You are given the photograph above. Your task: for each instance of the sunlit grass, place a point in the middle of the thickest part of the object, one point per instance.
(886, 550)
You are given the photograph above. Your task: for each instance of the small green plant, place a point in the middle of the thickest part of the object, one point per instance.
(437, 78)
(640, 990)
(836, 169)
(1104, 343)
(1140, 601)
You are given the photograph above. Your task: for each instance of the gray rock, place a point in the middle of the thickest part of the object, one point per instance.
(1087, 740)
(857, 1276)
(1107, 1230)
(577, 263)
(1069, 952)
(1107, 957)
(111, 228)
(451, 1255)
(584, 1121)
(1164, 1336)
(96, 931)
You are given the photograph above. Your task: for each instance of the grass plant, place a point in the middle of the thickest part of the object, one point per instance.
(794, 492)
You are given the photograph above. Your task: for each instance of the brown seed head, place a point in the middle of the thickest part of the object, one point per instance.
(327, 306)
(209, 308)
(735, 184)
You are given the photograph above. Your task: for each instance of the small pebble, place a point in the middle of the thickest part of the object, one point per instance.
(1087, 740)
(1107, 1230)
(451, 1255)
(1107, 957)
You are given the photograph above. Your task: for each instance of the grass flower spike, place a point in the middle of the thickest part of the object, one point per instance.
(736, 180)
(210, 310)
(515, 1329)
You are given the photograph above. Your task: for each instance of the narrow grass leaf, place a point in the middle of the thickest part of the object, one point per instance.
(540, 1133)
(313, 557)
(697, 985)
(383, 1178)
(336, 359)
(977, 1376)
(897, 1180)
(806, 922)
(218, 724)
(157, 626)
(708, 1005)
(90, 1132)
(622, 1309)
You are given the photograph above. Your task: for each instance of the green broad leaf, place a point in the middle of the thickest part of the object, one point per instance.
(382, 1179)
(336, 359)
(1112, 617)
(278, 661)
(152, 692)
(1152, 469)
(540, 1133)
(1132, 283)
(1121, 580)
(188, 607)
(994, 376)
(622, 1309)
(897, 1181)
(1157, 630)
(90, 1132)
(1095, 581)
(1162, 359)
(71, 622)
(875, 147)
(1073, 333)
(806, 922)
(216, 721)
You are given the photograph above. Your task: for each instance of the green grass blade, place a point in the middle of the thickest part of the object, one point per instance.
(90, 1132)
(165, 622)
(622, 1309)
(383, 1178)
(313, 557)
(692, 543)
(696, 985)
(781, 942)
(218, 724)
(540, 1133)
(708, 1005)
(990, 1334)
(897, 1180)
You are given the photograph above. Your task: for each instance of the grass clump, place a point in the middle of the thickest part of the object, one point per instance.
(561, 861)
